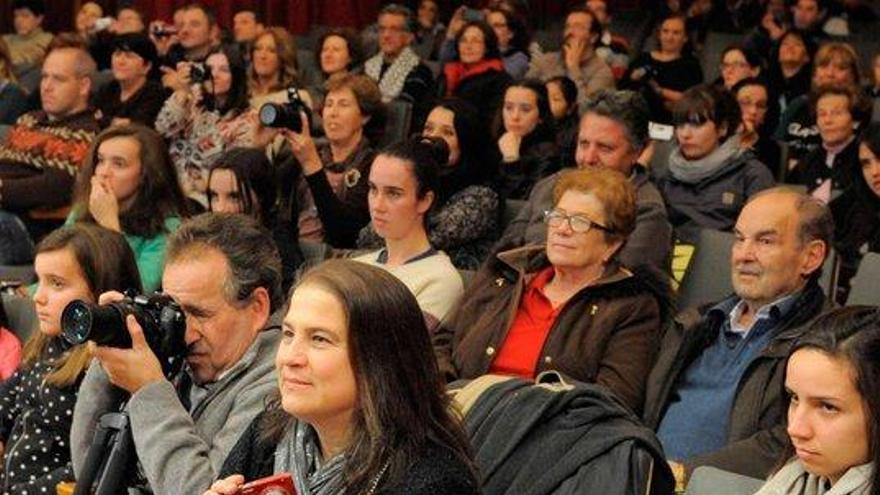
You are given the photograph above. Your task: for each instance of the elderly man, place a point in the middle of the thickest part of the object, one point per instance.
(715, 395)
(577, 59)
(225, 273)
(613, 133)
(43, 151)
(397, 68)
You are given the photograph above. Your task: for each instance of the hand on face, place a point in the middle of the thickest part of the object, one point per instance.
(509, 145)
(573, 50)
(103, 204)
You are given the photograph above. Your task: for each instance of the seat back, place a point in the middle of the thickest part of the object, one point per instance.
(707, 480)
(21, 314)
(862, 288)
(399, 119)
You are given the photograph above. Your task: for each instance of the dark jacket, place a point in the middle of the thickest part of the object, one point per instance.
(539, 157)
(856, 232)
(436, 472)
(559, 438)
(35, 423)
(650, 244)
(607, 333)
(141, 108)
(756, 437)
(485, 91)
(713, 202)
(812, 171)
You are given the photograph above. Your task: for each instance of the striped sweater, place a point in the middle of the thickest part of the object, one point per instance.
(40, 159)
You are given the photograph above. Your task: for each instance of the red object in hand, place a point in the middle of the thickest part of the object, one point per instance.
(279, 484)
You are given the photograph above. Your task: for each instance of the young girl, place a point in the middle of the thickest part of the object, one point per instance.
(833, 380)
(36, 405)
(128, 185)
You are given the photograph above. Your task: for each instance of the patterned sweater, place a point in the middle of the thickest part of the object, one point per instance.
(40, 159)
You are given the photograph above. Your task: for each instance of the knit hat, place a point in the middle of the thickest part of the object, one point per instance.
(138, 43)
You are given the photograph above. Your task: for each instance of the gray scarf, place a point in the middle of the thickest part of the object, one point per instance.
(793, 479)
(391, 83)
(298, 453)
(694, 171)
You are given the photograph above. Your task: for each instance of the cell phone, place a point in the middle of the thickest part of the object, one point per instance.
(279, 484)
(472, 15)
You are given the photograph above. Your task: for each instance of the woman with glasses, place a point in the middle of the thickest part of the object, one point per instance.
(760, 112)
(709, 176)
(567, 305)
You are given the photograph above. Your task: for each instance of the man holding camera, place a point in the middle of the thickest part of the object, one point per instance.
(224, 272)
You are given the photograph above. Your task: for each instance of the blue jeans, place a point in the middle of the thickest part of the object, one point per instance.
(16, 246)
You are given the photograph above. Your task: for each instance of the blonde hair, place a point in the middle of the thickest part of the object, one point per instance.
(613, 190)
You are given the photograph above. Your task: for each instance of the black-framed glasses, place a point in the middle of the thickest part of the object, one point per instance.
(577, 223)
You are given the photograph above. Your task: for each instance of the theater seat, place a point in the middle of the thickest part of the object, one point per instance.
(707, 480)
(863, 289)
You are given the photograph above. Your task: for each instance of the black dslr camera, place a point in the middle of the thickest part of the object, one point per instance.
(199, 73)
(162, 319)
(286, 115)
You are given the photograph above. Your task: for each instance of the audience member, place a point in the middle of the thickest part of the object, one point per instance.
(464, 215)
(330, 177)
(13, 100)
(715, 395)
(789, 75)
(129, 20)
(581, 312)
(613, 133)
(29, 44)
(224, 272)
(562, 94)
(76, 262)
(526, 139)
(871, 90)
(663, 75)
(273, 69)
(429, 32)
(477, 75)
(404, 183)
(205, 116)
(397, 68)
(758, 111)
(513, 41)
(709, 175)
(577, 59)
(857, 213)
(354, 413)
(132, 97)
(338, 51)
(84, 22)
(835, 64)
(10, 349)
(242, 180)
(246, 27)
(196, 40)
(612, 48)
(44, 150)
(738, 63)
(128, 184)
(831, 169)
(832, 382)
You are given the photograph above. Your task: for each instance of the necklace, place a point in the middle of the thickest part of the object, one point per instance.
(378, 477)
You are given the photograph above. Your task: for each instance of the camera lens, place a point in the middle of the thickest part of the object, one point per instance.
(269, 115)
(76, 322)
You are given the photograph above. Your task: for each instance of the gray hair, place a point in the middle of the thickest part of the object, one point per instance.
(247, 246)
(628, 108)
(403, 11)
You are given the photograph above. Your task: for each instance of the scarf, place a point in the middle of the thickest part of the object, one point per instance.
(694, 171)
(456, 72)
(795, 480)
(298, 453)
(391, 83)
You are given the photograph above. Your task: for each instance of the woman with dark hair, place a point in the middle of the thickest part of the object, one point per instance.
(759, 112)
(789, 68)
(338, 50)
(36, 405)
(857, 213)
(833, 381)
(208, 114)
(567, 305)
(738, 62)
(562, 94)
(273, 68)
(464, 215)
(242, 180)
(709, 176)
(128, 184)
(664, 74)
(526, 139)
(403, 188)
(330, 177)
(356, 414)
(511, 33)
(477, 75)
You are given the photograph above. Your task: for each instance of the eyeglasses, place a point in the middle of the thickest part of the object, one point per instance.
(578, 223)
